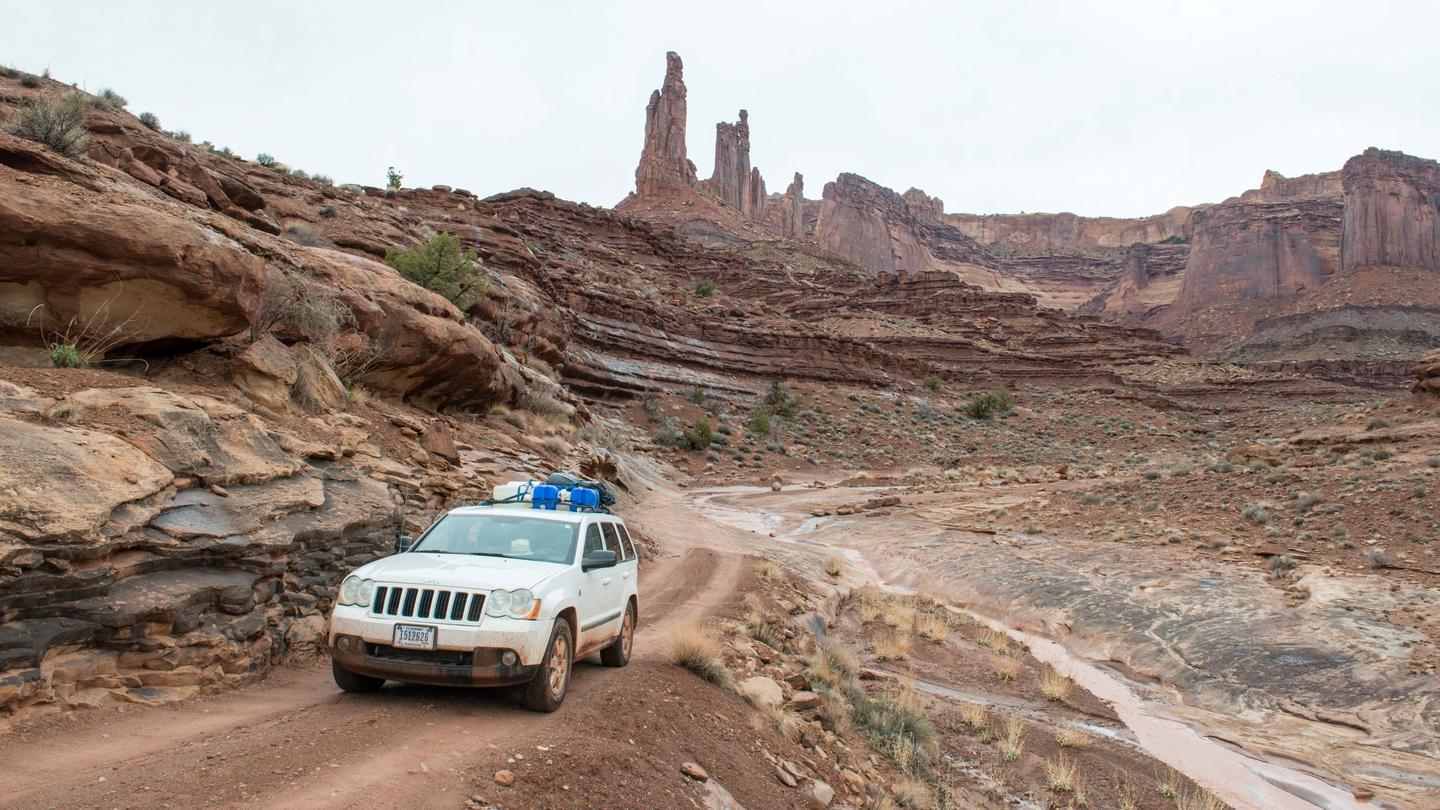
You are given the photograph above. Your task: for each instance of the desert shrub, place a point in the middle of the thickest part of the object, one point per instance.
(29, 80)
(299, 174)
(694, 647)
(778, 400)
(1376, 424)
(1256, 513)
(108, 99)
(393, 179)
(150, 120)
(834, 566)
(704, 288)
(322, 179)
(932, 627)
(1281, 565)
(1071, 737)
(302, 234)
(899, 730)
(1012, 745)
(668, 433)
(65, 355)
(932, 383)
(986, 405)
(698, 435)
(1006, 669)
(290, 301)
(1003, 399)
(1061, 774)
(329, 212)
(58, 123)
(698, 395)
(1376, 558)
(442, 265)
(266, 159)
(181, 136)
(760, 423)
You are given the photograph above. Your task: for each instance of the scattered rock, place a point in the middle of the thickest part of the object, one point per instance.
(762, 691)
(694, 771)
(504, 778)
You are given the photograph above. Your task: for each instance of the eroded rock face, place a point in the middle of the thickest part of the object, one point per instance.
(1392, 211)
(1247, 251)
(734, 181)
(663, 164)
(886, 232)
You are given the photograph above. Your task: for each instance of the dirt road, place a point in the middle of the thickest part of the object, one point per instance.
(297, 741)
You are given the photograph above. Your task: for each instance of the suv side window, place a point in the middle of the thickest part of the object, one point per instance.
(593, 542)
(613, 540)
(626, 541)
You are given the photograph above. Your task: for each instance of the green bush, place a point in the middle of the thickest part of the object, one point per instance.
(900, 731)
(705, 288)
(59, 124)
(698, 395)
(984, 406)
(29, 80)
(779, 401)
(760, 423)
(932, 383)
(181, 136)
(65, 355)
(698, 436)
(393, 179)
(442, 265)
(323, 179)
(266, 159)
(329, 212)
(150, 120)
(108, 99)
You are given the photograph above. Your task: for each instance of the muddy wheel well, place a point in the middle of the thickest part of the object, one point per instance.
(568, 616)
(635, 605)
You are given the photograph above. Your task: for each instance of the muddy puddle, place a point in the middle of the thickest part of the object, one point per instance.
(1264, 704)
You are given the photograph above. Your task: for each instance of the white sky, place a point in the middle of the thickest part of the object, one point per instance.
(1118, 108)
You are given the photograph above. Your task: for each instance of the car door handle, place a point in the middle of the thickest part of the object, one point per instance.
(605, 581)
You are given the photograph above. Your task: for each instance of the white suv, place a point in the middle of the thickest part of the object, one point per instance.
(493, 595)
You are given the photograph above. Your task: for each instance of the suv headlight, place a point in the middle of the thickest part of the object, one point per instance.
(516, 604)
(356, 591)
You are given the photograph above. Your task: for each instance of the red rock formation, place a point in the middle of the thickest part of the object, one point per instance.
(1035, 234)
(885, 232)
(663, 164)
(785, 213)
(1249, 251)
(1391, 215)
(1276, 186)
(733, 180)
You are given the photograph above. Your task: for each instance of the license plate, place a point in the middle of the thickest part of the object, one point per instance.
(414, 637)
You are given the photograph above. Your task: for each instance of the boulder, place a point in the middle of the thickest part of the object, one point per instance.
(762, 691)
(265, 371)
(316, 383)
(438, 441)
(694, 771)
(819, 794)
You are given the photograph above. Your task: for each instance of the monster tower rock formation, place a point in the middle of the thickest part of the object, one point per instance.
(1391, 215)
(732, 162)
(785, 213)
(663, 165)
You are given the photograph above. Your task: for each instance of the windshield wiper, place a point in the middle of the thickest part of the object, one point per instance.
(462, 553)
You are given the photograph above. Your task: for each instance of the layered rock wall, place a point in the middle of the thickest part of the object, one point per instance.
(1252, 251)
(1392, 211)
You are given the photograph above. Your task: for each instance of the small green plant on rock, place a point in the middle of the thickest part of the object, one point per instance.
(443, 266)
(704, 288)
(150, 120)
(59, 124)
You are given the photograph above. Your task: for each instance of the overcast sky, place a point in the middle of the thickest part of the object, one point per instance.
(1113, 108)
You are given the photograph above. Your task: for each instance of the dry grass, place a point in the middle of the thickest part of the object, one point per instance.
(1072, 738)
(891, 645)
(975, 717)
(1006, 669)
(1169, 784)
(995, 640)
(834, 566)
(898, 615)
(765, 628)
(1062, 774)
(787, 722)
(769, 569)
(695, 648)
(869, 603)
(1054, 685)
(1013, 744)
(932, 627)
(912, 794)
(1197, 799)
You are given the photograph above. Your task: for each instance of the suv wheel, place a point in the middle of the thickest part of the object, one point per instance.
(354, 681)
(546, 691)
(618, 653)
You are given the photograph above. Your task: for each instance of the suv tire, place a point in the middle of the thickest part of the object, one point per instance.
(354, 681)
(546, 691)
(618, 653)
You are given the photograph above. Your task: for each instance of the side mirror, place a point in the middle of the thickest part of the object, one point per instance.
(598, 559)
(403, 543)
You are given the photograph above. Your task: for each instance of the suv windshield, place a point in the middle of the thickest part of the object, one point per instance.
(520, 538)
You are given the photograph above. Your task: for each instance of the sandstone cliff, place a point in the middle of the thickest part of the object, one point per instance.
(1391, 218)
(663, 164)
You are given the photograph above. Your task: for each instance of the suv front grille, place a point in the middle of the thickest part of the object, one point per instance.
(454, 658)
(402, 601)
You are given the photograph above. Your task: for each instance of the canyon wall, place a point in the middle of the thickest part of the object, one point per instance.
(1391, 211)
(1251, 251)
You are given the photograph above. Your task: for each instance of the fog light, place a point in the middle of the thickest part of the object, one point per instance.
(509, 658)
(342, 643)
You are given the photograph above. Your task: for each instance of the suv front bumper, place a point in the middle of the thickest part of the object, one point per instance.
(465, 655)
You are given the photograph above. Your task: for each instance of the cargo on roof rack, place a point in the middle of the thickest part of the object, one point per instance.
(574, 494)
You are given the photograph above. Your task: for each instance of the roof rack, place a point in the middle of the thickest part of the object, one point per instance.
(578, 497)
